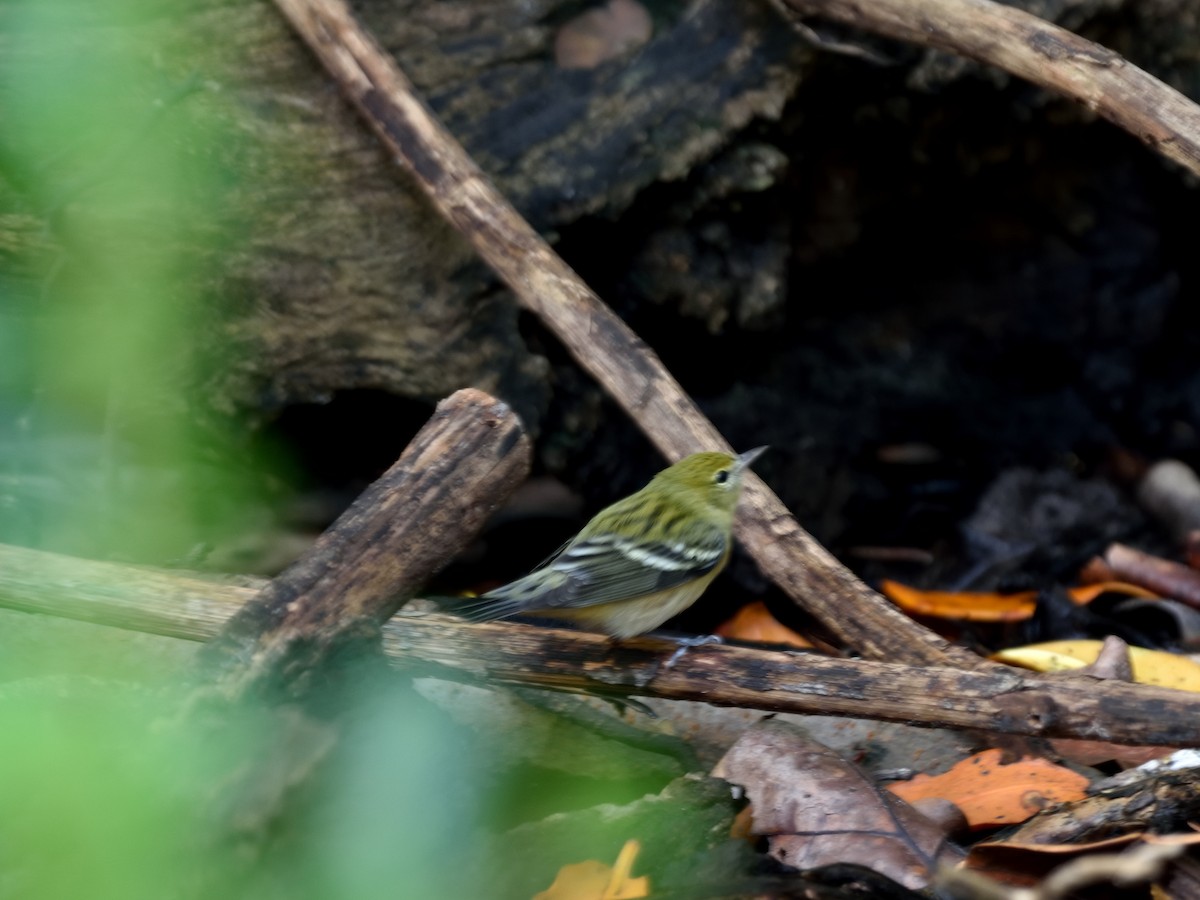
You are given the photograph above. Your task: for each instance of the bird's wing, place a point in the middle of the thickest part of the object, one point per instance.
(607, 567)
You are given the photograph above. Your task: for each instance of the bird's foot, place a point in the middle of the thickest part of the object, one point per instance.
(684, 644)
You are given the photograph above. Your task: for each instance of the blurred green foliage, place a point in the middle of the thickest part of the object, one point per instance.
(114, 161)
(115, 790)
(113, 165)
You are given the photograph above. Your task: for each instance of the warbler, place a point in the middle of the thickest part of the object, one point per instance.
(640, 561)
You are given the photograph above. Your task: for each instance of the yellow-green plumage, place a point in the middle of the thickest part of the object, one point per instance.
(640, 561)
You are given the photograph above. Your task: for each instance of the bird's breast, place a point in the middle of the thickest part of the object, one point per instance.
(628, 618)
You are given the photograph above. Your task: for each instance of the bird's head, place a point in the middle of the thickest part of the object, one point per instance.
(712, 479)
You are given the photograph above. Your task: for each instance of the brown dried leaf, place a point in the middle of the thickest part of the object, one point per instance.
(816, 808)
(1092, 753)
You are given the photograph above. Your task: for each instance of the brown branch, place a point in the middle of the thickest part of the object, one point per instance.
(1000, 699)
(1042, 53)
(598, 339)
(408, 524)
(1163, 576)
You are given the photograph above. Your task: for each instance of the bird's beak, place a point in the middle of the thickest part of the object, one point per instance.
(743, 460)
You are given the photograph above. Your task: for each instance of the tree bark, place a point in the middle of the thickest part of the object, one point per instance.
(405, 527)
(329, 273)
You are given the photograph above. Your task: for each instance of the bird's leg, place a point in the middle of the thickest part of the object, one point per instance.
(684, 644)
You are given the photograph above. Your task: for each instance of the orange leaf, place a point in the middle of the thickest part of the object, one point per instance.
(990, 792)
(592, 880)
(962, 605)
(742, 828)
(754, 622)
(1086, 593)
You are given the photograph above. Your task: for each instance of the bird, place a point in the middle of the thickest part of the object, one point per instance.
(639, 561)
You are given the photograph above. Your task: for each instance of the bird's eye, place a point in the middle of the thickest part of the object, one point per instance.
(722, 476)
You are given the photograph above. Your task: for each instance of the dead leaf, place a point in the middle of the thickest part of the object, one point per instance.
(754, 622)
(1159, 799)
(972, 606)
(815, 808)
(1093, 753)
(965, 606)
(943, 813)
(1149, 666)
(592, 880)
(991, 792)
(1114, 661)
(1085, 593)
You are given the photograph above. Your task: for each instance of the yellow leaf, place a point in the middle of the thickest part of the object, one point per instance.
(592, 880)
(578, 881)
(1149, 666)
(621, 886)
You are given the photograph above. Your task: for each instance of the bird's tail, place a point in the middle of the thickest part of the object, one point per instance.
(536, 591)
(486, 608)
